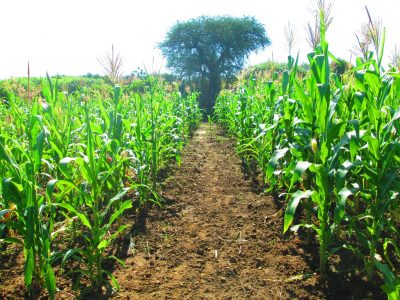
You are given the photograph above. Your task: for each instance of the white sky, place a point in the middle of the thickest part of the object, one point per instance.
(67, 37)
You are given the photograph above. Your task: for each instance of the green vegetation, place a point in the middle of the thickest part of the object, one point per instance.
(330, 144)
(77, 153)
(71, 164)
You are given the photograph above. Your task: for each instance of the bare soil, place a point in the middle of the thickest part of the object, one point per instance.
(214, 238)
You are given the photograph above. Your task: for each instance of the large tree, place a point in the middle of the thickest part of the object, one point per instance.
(210, 49)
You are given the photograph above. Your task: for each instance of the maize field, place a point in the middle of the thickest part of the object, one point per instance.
(322, 147)
(329, 146)
(67, 164)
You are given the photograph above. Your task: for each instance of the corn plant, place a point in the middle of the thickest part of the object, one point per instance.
(379, 187)
(325, 164)
(34, 215)
(331, 141)
(99, 222)
(69, 160)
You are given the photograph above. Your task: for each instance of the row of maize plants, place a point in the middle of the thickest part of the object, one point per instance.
(71, 165)
(330, 144)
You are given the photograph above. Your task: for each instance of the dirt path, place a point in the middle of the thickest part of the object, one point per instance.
(216, 238)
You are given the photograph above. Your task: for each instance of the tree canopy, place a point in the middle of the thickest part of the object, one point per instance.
(212, 49)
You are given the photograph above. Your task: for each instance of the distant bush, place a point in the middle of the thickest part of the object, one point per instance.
(271, 67)
(340, 66)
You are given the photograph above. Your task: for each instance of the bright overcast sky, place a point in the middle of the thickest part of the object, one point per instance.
(67, 37)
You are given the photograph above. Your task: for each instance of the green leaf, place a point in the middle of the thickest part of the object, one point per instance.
(51, 185)
(113, 280)
(335, 131)
(124, 206)
(85, 169)
(119, 261)
(81, 216)
(324, 90)
(69, 254)
(30, 216)
(340, 175)
(385, 248)
(4, 156)
(50, 87)
(103, 244)
(39, 146)
(278, 154)
(341, 204)
(50, 280)
(292, 206)
(393, 120)
(373, 147)
(321, 179)
(55, 148)
(119, 196)
(64, 166)
(29, 266)
(12, 240)
(372, 80)
(301, 167)
(392, 284)
(295, 228)
(285, 81)
(13, 192)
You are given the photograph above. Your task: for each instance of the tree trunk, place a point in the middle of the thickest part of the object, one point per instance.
(214, 87)
(204, 88)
